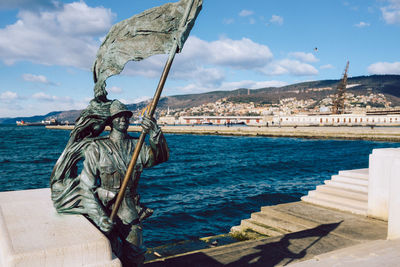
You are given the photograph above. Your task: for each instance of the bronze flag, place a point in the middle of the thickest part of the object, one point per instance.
(151, 32)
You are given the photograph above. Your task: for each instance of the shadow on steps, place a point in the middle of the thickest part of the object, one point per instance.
(281, 250)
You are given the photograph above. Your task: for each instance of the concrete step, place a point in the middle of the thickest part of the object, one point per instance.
(339, 199)
(277, 223)
(300, 222)
(335, 205)
(261, 228)
(349, 180)
(358, 173)
(342, 192)
(344, 185)
(337, 230)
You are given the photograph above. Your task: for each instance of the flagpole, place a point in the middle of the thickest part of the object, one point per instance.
(153, 106)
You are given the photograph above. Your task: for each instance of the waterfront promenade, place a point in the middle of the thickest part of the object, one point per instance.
(312, 231)
(389, 134)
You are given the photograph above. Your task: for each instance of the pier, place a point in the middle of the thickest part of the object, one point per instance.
(389, 134)
(299, 231)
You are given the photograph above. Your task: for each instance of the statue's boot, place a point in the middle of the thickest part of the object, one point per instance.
(133, 250)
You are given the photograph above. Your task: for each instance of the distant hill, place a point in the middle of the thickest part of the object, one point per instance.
(69, 115)
(389, 85)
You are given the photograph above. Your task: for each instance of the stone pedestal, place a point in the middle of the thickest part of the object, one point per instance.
(394, 201)
(33, 234)
(384, 188)
(381, 163)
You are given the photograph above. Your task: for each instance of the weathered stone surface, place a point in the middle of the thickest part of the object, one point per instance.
(353, 226)
(380, 165)
(376, 253)
(394, 201)
(347, 191)
(33, 234)
(325, 230)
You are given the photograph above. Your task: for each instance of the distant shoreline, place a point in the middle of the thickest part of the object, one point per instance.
(389, 134)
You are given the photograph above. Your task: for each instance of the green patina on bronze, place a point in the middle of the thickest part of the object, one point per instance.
(92, 191)
(108, 165)
(154, 31)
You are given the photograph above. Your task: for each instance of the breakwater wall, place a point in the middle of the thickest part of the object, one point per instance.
(389, 134)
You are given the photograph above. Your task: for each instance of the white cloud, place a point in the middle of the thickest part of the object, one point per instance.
(253, 84)
(134, 100)
(201, 61)
(8, 96)
(276, 19)
(44, 96)
(327, 66)
(252, 21)
(204, 63)
(391, 13)
(245, 13)
(227, 86)
(362, 24)
(150, 67)
(228, 21)
(200, 75)
(115, 90)
(79, 19)
(384, 68)
(41, 96)
(140, 99)
(305, 57)
(12, 105)
(66, 36)
(288, 66)
(35, 78)
(240, 54)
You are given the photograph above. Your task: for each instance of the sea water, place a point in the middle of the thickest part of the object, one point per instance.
(210, 182)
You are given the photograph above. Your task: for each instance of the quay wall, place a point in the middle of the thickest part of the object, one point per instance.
(390, 134)
(289, 120)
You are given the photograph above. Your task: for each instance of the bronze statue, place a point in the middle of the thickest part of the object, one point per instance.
(105, 190)
(94, 190)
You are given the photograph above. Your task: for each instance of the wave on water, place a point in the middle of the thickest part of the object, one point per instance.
(209, 184)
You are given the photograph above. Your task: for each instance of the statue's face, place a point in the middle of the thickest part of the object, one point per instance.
(121, 123)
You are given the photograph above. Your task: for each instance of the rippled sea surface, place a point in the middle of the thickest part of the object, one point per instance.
(209, 184)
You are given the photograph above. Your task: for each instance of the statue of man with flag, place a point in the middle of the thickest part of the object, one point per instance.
(105, 191)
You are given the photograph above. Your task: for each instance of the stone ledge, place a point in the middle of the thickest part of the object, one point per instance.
(32, 233)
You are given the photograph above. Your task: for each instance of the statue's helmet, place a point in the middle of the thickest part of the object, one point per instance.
(118, 109)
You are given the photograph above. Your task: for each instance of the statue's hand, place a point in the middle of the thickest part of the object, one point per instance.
(106, 224)
(149, 125)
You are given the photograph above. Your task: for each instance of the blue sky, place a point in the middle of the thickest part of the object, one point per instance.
(47, 48)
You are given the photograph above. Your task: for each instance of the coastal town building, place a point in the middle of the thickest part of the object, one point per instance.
(288, 120)
(371, 109)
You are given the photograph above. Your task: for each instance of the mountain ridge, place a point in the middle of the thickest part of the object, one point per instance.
(389, 85)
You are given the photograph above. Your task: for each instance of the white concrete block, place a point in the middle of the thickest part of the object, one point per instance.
(359, 204)
(33, 234)
(394, 201)
(357, 195)
(349, 180)
(360, 188)
(380, 165)
(357, 173)
(335, 205)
